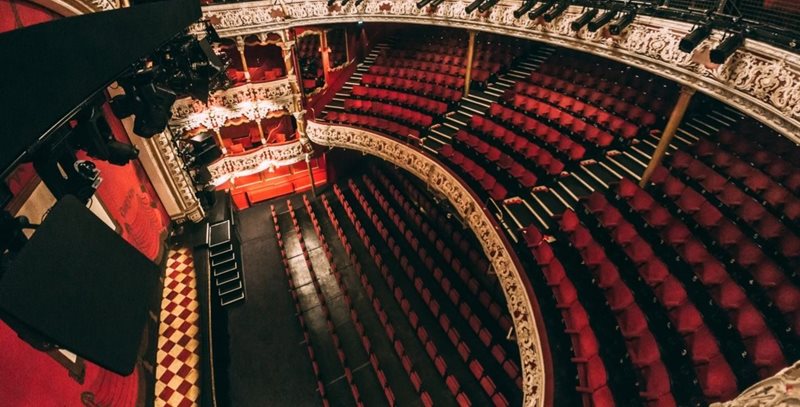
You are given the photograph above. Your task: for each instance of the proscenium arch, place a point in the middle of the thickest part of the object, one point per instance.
(536, 366)
(761, 80)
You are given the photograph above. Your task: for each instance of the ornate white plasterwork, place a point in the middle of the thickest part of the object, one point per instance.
(251, 100)
(257, 160)
(508, 270)
(782, 389)
(161, 148)
(760, 79)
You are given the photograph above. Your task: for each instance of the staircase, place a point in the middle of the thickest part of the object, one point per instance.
(337, 103)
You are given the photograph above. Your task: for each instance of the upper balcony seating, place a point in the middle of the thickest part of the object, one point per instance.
(382, 125)
(421, 103)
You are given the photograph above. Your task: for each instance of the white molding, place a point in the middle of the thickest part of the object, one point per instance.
(256, 160)
(759, 79)
(782, 389)
(477, 217)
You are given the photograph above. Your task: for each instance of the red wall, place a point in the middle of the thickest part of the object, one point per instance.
(29, 377)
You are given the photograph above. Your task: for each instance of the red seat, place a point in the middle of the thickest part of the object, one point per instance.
(619, 296)
(708, 216)
(644, 350)
(690, 201)
(632, 322)
(656, 382)
(749, 322)
(686, 318)
(711, 272)
(654, 271)
(768, 352)
(592, 375)
(717, 380)
(569, 221)
(702, 346)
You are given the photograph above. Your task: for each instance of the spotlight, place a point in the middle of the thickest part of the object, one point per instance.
(541, 9)
(603, 19)
(358, 2)
(557, 11)
(526, 7)
(584, 19)
(622, 22)
(695, 37)
(150, 103)
(423, 3)
(93, 135)
(726, 48)
(487, 5)
(435, 3)
(331, 2)
(344, 2)
(472, 6)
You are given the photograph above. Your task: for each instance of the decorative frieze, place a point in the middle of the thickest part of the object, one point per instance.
(256, 160)
(783, 389)
(252, 100)
(760, 79)
(497, 249)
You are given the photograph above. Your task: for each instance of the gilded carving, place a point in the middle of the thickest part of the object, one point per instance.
(782, 389)
(256, 160)
(759, 79)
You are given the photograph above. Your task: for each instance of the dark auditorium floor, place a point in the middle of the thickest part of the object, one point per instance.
(266, 321)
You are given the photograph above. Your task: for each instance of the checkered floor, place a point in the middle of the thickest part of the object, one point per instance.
(178, 360)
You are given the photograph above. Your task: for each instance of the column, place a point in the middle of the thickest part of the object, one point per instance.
(261, 131)
(669, 132)
(240, 47)
(219, 141)
(346, 46)
(326, 55)
(470, 52)
(311, 175)
(293, 68)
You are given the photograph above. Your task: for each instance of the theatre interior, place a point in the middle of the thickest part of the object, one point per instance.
(400, 203)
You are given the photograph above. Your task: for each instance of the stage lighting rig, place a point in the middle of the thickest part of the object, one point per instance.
(559, 9)
(331, 3)
(541, 9)
(584, 19)
(422, 3)
(604, 18)
(473, 6)
(695, 37)
(626, 19)
(436, 3)
(526, 7)
(93, 135)
(487, 5)
(727, 47)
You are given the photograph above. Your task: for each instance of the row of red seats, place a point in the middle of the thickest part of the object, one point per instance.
(424, 89)
(592, 374)
(473, 259)
(539, 157)
(436, 78)
(449, 255)
(481, 70)
(299, 311)
(570, 96)
(761, 185)
(386, 126)
(526, 178)
(549, 135)
(764, 155)
(451, 381)
(640, 341)
(490, 186)
(389, 329)
(429, 106)
(331, 328)
(394, 112)
(763, 349)
(768, 139)
(481, 327)
(748, 210)
(740, 248)
(455, 55)
(607, 76)
(566, 110)
(595, 92)
(716, 377)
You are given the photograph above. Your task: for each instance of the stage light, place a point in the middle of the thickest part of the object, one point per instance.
(526, 7)
(358, 2)
(93, 135)
(344, 2)
(472, 6)
(541, 9)
(436, 3)
(331, 2)
(603, 19)
(423, 3)
(618, 26)
(726, 48)
(557, 11)
(154, 111)
(584, 19)
(695, 37)
(487, 5)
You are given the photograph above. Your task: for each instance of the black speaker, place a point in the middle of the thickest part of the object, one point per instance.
(204, 148)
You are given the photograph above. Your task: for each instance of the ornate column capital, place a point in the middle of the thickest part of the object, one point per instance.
(240, 43)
